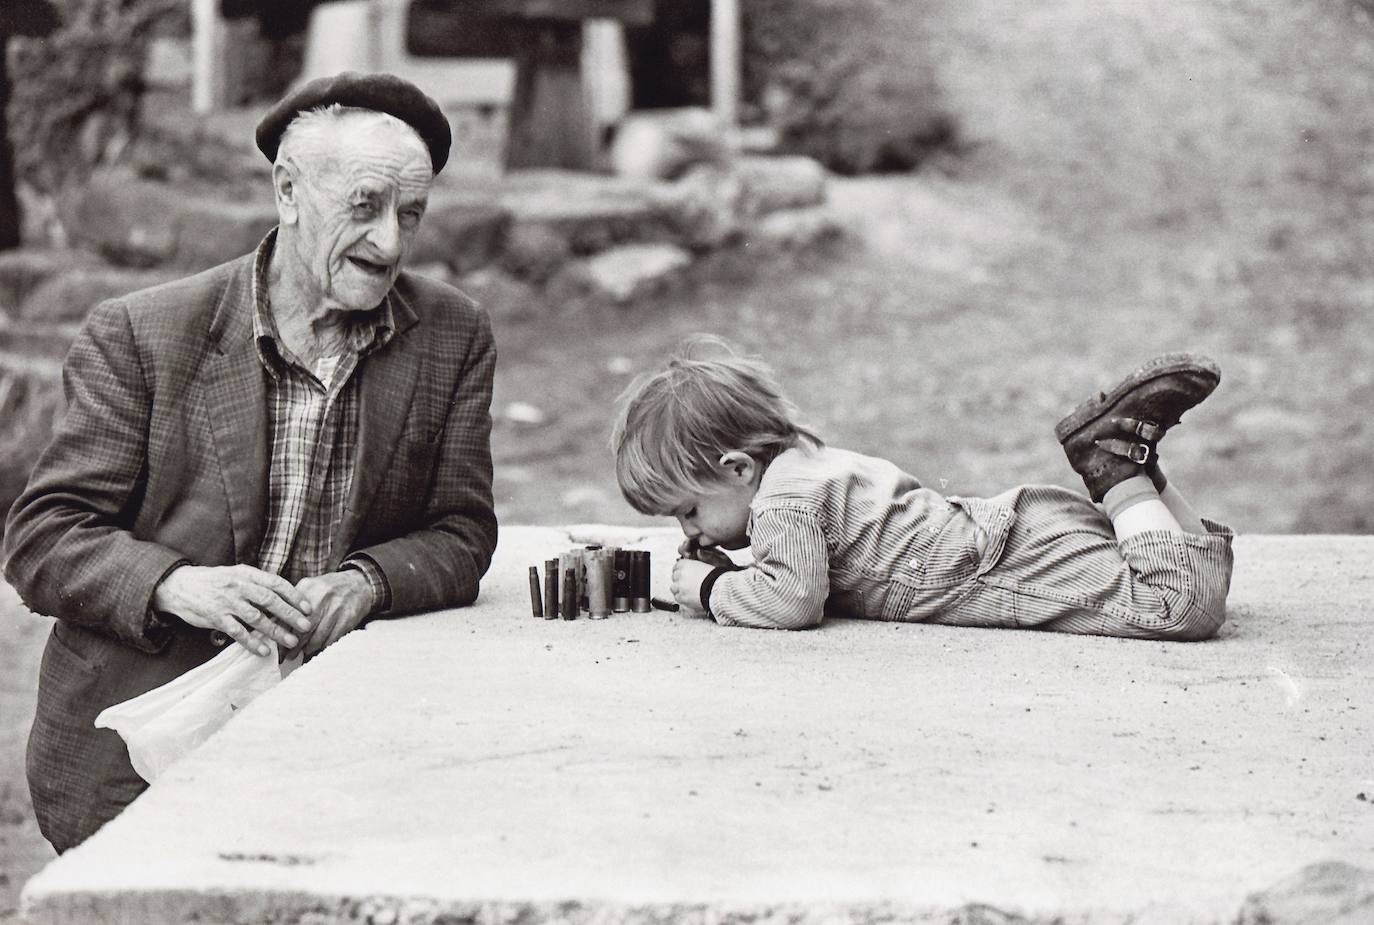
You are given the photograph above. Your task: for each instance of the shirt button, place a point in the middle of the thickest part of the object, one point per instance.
(914, 563)
(219, 640)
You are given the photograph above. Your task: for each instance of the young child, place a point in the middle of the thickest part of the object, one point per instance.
(713, 442)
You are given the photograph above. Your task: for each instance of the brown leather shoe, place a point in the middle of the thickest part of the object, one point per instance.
(1113, 435)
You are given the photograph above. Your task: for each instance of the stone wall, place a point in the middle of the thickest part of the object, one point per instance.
(524, 241)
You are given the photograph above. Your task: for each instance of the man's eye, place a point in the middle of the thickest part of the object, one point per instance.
(411, 217)
(364, 210)
(690, 513)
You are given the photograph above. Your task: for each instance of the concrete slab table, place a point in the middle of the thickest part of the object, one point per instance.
(478, 765)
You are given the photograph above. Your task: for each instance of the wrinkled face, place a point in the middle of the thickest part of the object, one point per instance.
(356, 211)
(718, 516)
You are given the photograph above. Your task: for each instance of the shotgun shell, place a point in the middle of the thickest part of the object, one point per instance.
(639, 581)
(536, 602)
(620, 581)
(598, 597)
(551, 589)
(569, 594)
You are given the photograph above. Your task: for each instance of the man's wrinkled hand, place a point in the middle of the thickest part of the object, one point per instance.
(243, 602)
(688, 574)
(341, 600)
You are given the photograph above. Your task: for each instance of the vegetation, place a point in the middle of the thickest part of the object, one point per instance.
(77, 92)
(846, 82)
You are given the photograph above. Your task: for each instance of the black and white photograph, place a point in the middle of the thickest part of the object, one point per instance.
(686, 462)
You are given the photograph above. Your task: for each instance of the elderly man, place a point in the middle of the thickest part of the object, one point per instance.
(274, 449)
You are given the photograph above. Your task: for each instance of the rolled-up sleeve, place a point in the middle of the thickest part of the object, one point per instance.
(69, 550)
(788, 583)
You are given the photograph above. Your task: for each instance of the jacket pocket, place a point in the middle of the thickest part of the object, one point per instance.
(73, 647)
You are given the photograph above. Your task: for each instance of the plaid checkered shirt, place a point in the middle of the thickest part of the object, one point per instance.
(312, 416)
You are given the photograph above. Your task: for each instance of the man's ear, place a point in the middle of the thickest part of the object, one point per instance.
(737, 465)
(285, 190)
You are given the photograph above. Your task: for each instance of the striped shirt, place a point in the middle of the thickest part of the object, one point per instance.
(851, 535)
(831, 527)
(312, 414)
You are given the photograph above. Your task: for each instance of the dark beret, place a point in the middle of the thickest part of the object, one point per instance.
(381, 92)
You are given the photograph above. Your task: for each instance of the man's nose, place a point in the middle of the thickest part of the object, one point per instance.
(688, 528)
(385, 236)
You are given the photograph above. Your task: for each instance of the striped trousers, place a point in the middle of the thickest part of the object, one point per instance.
(1063, 569)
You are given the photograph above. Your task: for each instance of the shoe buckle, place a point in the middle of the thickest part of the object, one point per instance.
(1140, 453)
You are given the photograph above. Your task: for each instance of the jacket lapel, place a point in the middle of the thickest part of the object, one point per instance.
(385, 390)
(236, 404)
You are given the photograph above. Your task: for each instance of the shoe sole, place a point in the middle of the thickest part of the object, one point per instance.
(1165, 365)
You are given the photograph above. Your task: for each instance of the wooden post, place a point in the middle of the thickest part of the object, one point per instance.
(725, 61)
(18, 17)
(549, 121)
(208, 76)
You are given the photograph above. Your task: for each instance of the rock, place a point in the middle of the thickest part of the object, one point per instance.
(535, 252)
(663, 143)
(1328, 893)
(773, 183)
(71, 295)
(463, 235)
(589, 212)
(704, 207)
(137, 223)
(793, 229)
(499, 293)
(627, 273)
(210, 232)
(520, 412)
(22, 272)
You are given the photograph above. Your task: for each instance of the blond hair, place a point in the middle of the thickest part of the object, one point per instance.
(673, 426)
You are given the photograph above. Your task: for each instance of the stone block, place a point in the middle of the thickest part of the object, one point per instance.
(71, 296)
(535, 252)
(1329, 893)
(663, 144)
(774, 183)
(210, 232)
(500, 293)
(624, 274)
(591, 213)
(23, 271)
(793, 229)
(703, 207)
(461, 234)
(138, 223)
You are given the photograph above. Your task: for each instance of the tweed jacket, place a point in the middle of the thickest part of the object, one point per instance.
(162, 459)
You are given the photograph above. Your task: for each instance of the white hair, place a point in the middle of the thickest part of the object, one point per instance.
(312, 133)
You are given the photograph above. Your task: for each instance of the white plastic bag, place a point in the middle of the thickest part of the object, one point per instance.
(168, 721)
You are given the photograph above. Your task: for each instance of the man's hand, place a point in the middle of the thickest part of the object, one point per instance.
(340, 600)
(241, 601)
(688, 574)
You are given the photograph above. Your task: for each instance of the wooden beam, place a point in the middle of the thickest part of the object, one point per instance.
(633, 12)
(208, 65)
(725, 61)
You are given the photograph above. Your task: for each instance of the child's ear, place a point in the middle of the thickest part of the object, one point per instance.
(738, 465)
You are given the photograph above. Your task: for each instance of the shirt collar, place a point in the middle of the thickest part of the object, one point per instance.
(368, 331)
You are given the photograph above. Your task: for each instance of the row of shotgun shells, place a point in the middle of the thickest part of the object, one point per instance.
(595, 581)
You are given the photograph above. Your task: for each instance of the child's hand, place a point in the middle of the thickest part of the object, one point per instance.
(690, 549)
(688, 574)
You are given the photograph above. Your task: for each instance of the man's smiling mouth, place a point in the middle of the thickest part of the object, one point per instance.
(367, 266)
